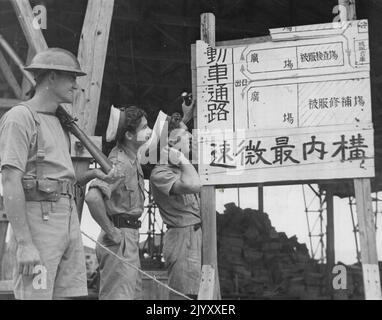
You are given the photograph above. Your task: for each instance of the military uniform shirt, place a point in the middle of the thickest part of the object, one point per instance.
(177, 210)
(127, 195)
(18, 144)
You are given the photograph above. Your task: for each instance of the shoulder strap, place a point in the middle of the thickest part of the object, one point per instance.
(40, 143)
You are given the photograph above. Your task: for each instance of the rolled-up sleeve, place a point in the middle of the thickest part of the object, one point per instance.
(107, 188)
(163, 179)
(14, 145)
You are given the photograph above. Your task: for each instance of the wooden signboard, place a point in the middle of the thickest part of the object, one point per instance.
(300, 102)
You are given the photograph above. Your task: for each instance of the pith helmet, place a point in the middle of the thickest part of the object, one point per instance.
(55, 59)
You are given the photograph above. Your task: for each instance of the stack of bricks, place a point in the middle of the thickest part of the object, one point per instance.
(257, 262)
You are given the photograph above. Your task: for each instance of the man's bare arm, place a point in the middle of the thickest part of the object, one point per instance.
(189, 181)
(15, 207)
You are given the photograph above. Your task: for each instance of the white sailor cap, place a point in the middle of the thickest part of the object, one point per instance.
(116, 120)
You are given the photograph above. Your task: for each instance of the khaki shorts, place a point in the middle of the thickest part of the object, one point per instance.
(60, 245)
(119, 281)
(182, 251)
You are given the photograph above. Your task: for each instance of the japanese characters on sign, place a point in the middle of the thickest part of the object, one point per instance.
(302, 87)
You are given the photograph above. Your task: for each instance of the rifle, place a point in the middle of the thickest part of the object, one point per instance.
(69, 123)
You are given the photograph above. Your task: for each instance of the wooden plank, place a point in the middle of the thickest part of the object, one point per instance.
(194, 96)
(9, 76)
(91, 55)
(369, 257)
(208, 196)
(25, 15)
(207, 28)
(3, 234)
(350, 8)
(26, 85)
(8, 103)
(243, 42)
(206, 289)
(13, 55)
(260, 194)
(330, 244)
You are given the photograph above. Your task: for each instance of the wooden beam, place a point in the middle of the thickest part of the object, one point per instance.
(26, 85)
(92, 52)
(3, 234)
(207, 28)
(207, 195)
(369, 256)
(25, 15)
(8, 103)
(330, 243)
(9, 76)
(260, 193)
(350, 8)
(13, 55)
(91, 55)
(367, 236)
(206, 288)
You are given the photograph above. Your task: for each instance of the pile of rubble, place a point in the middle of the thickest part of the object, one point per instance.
(257, 262)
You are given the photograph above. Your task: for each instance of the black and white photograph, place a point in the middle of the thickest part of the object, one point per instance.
(209, 151)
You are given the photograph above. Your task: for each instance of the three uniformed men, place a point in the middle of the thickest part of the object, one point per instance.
(38, 185)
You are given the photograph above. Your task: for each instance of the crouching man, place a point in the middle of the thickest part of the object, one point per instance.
(175, 186)
(117, 208)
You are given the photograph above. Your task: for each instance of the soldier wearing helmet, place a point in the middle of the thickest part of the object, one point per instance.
(38, 184)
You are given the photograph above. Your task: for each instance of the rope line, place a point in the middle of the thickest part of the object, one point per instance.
(136, 268)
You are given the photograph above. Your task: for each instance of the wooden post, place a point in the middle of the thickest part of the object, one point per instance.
(206, 289)
(208, 196)
(368, 241)
(91, 55)
(350, 8)
(260, 194)
(330, 250)
(369, 257)
(3, 234)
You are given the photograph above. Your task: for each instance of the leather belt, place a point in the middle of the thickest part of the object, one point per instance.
(125, 221)
(196, 226)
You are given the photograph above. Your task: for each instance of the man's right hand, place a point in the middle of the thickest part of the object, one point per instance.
(27, 257)
(174, 156)
(115, 235)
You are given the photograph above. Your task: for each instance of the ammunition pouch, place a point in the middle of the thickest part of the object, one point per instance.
(46, 189)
